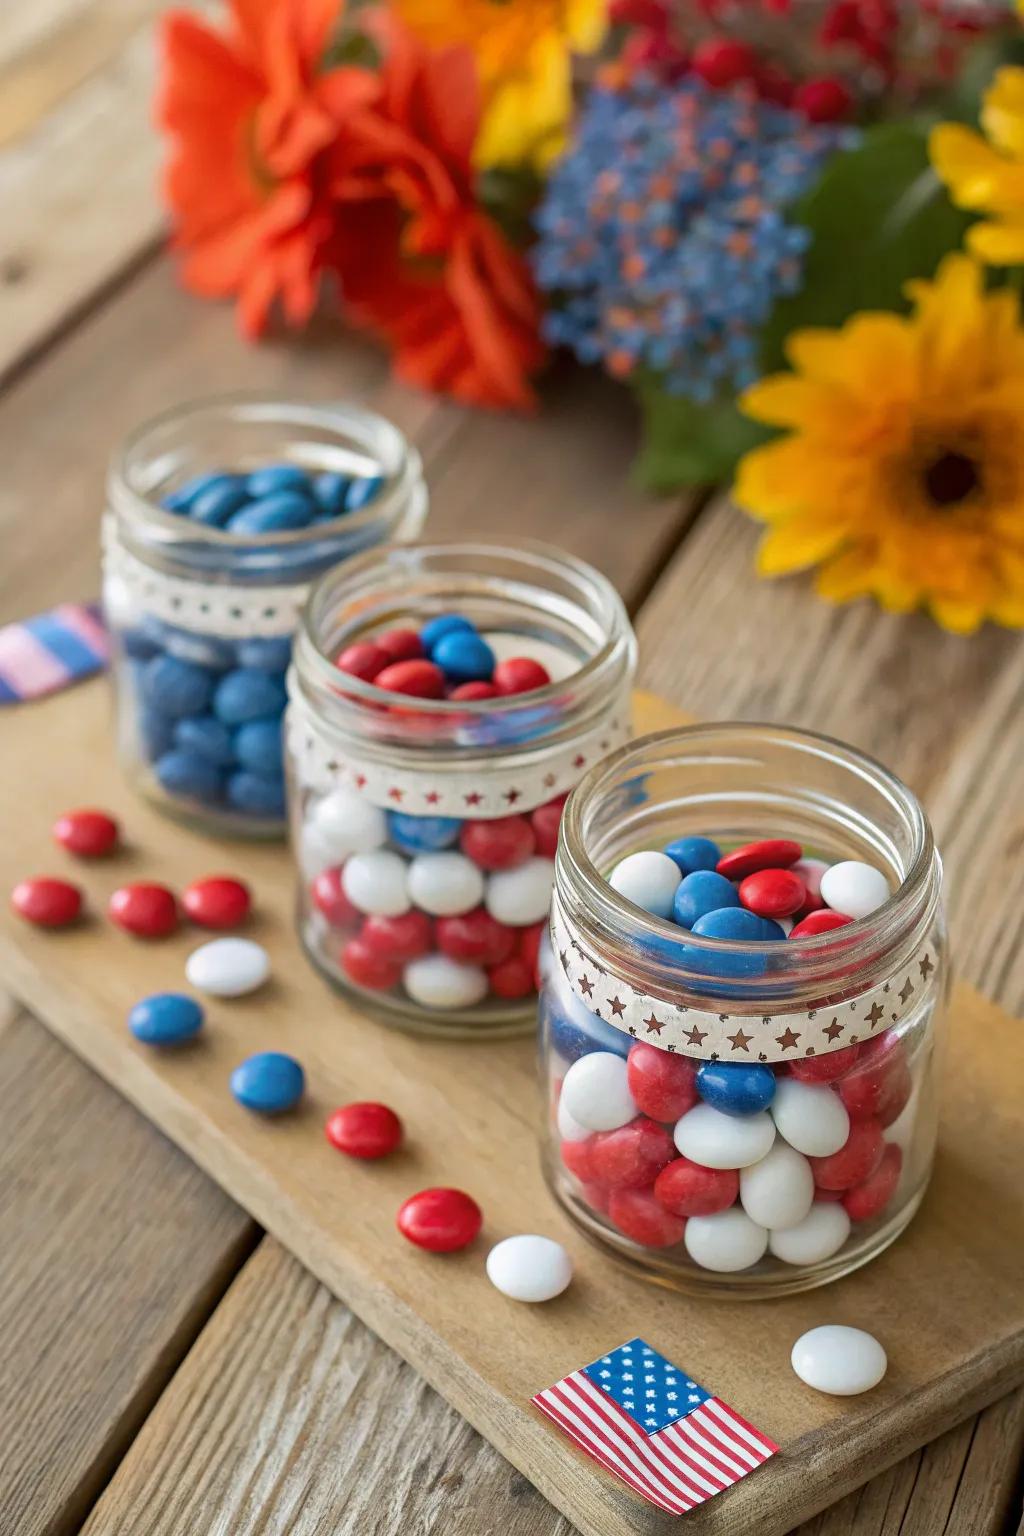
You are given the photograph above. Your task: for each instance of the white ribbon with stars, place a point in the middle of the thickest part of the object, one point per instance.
(694, 1031)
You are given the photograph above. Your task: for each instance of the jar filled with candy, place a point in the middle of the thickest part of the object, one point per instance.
(444, 700)
(220, 515)
(742, 1008)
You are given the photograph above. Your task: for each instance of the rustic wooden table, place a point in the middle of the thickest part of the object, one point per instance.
(167, 1368)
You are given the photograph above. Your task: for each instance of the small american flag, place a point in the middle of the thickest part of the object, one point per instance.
(51, 651)
(649, 1424)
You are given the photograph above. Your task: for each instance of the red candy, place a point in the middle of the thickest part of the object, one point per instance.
(474, 693)
(147, 910)
(636, 1213)
(364, 1130)
(578, 1158)
(498, 844)
(869, 1199)
(520, 674)
(398, 938)
(400, 644)
(664, 1086)
(773, 853)
(217, 902)
(773, 893)
(721, 61)
(89, 834)
(367, 967)
(529, 948)
(827, 1068)
(419, 679)
(329, 898)
(855, 1161)
(46, 902)
(597, 1197)
(545, 821)
(475, 937)
(511, 979)
(363, 660)
(686, 1188)
(814, 923)
(632, 1156)
(441, 1220)
(880, 1085)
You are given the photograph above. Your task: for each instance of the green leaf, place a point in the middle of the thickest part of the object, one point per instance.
(689, 444)
(878, 216)
(987, 54)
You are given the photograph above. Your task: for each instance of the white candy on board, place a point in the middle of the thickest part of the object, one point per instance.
(707, 1136)
(647, 879)
(777, 1192)
(375, 883)
(726, 1242)
(821, 1234)
(227, 967)
(520, 896)
(445, 884)
(435, 981)
(810, 1116)
(595, 1092)
(529, 1268)
(854, 888)
(839, 1360)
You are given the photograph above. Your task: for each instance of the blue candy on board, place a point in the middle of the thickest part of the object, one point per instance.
(700, 893)
(463, 657)
(362, 491)
(330, 490)
(272, 478)
(166, 1018)
(574, 1031)
(736, 1088)
(256, 794)
(268, 1083)
(246, 694)
(177, 688)
(258, 746)
(692, 853)
(281, 513)
(185, 773)
(213, 507)
(205, 737)
(267, 653)
(445, 624)
(422, 834)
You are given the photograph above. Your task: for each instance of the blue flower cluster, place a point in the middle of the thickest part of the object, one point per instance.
(662, 234)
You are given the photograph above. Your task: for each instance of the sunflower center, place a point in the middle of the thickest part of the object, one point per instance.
(951, 478)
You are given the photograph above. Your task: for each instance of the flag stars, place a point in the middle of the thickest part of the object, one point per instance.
(740, 1041)
(875, 1015)
(926, 967)
(906, 991)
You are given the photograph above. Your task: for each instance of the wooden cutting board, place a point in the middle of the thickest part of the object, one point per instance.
(947, 1300)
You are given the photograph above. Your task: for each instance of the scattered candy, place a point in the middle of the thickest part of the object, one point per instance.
(440, 1220)
(364, 1130)
(46, 902)
(838, 1360)
(228, 967)
(147, 910)
(87, 834)
(529, 1268)
(268, 1083)
(853, 888)
(218, 901)
(166, 1018)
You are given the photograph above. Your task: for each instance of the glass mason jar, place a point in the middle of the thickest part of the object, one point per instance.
(396, 789)
(822, 1051)
(202, 618)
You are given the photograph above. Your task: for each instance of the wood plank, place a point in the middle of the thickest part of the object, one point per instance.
(114, 1249)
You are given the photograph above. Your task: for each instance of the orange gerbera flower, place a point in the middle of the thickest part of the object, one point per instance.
(420, 262)
(252, 121)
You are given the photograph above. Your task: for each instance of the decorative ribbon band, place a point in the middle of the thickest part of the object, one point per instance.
(133, 590)
(777, 1036)
(496, 785)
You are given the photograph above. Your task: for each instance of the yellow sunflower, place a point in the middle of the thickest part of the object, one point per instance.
(986, 175)
(523, 50)
(903, 472)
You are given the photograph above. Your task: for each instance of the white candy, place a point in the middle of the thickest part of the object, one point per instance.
(316, 853)
(778, 1191)
(520, 896)
(434, 981)
(375, 883)
(529, 1268)
(568, 1128)
(346, 823)
(810, 1116)
(649, 880)
(706, 1136)
(822, 1233)
(810, 872)
(841, 1361)
(725, 1242)
(854, 888)
(445, 884)
(595, 1092)
(227, 967)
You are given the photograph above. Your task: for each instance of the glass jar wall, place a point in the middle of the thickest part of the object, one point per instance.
(742, 1117)
(220, 514)
(424, 828)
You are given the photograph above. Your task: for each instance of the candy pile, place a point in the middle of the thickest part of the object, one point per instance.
(208, 709)
(733, 1160)
(449, 909)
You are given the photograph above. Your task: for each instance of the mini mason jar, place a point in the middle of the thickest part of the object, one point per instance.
(425, 829)
(742, 1118)
(202, 613)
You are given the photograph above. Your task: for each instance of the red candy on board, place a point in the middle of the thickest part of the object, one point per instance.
(330, 900)
(419, 679)
(365, 1130)
(474, 693)
(686, 1188)
(545, 821)
(663, 1085)
(147, 910)
(364, 659)
(475, 937)
(499, 844)
(400, 644)
(219, 901)
(512, 979)
(520, 674)
(398, 938)
(636, 1213)
(826, 1068)
(856, 1159)
(869, 1199)
(632, 1156)
(773, 893)
(47, 902)
(441, 1220)
(367, 967)
(822, 921)
(772, 853)
(88, 834)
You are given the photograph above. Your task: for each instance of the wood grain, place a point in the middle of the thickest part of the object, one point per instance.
(114, 1249)
(486, 1357)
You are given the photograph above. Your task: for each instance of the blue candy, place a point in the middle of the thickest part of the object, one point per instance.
(692, 853)
(256, 794)
(422, 834)
(246, 694)
(445, 624)
(258, 746)
(273, 514)
(271, 653)
(273, 478)
(166, 1018)
(156, 733)
(205, 737)
(330, 491)
(574, 1031)
(360, 492)
(213, 507)
(203, 650)
(177, 688)
(699, 893)
(140, 644)
(463, 657)
(268, 1083)
(186, 773)
(185, 497)
(731, 923)
(736, 1088)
